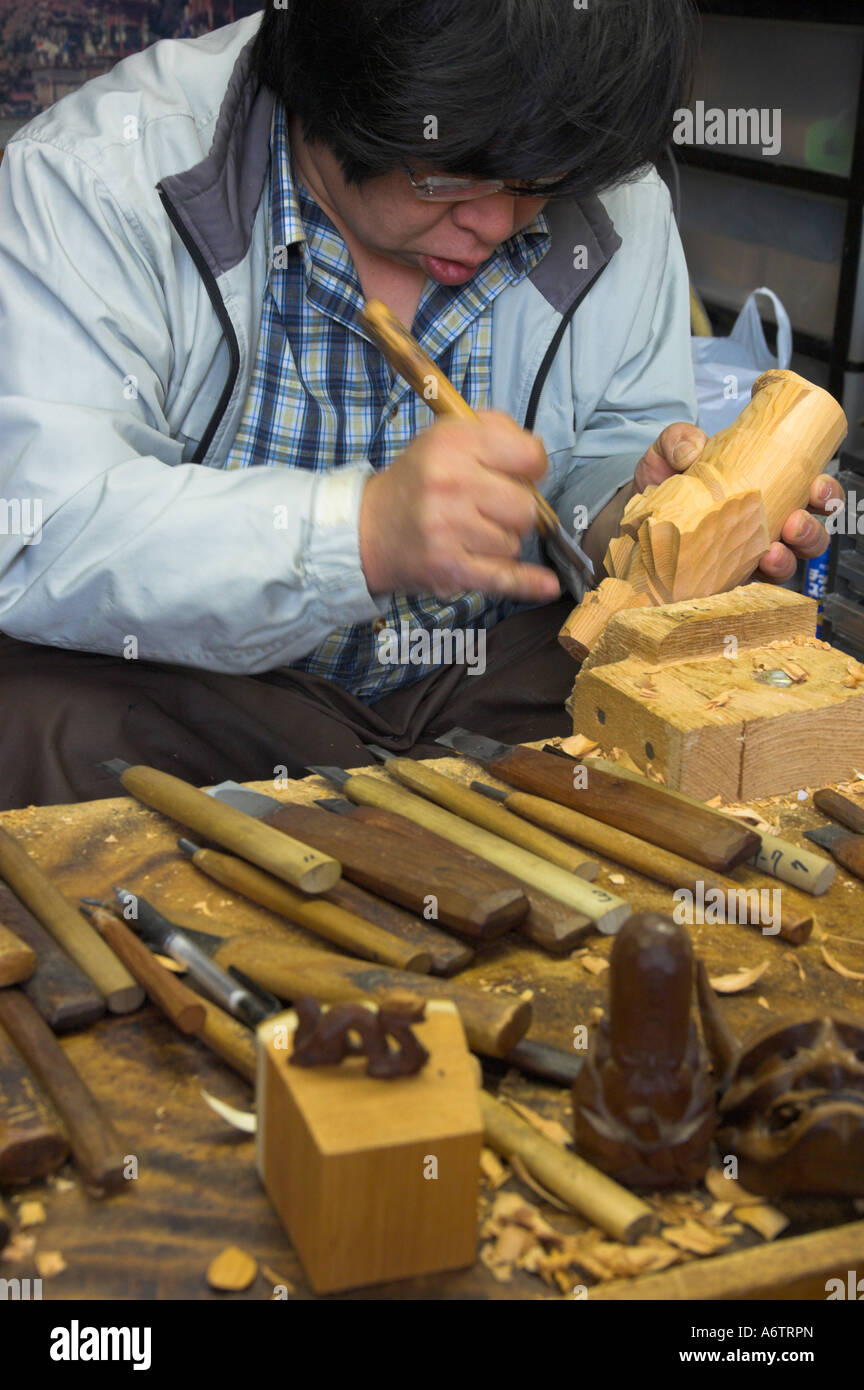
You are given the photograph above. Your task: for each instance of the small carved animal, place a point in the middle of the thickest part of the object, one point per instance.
(327, 1037)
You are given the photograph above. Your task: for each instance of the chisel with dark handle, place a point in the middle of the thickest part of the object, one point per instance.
(57, 989)
(840, 808)
(449, 953)
(646, 812)
(471, 903)
(551, 925)
(493, 1024)
(606, 910)
(846, 847)
(32, 1142)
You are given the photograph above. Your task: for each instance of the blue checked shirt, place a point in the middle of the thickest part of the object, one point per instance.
(322, 396)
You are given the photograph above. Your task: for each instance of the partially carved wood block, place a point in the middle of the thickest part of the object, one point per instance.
(730, 695)
(792, 1102)
(643, 1103)
(705, 531)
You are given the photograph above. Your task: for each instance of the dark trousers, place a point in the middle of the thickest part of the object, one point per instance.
(62, 713)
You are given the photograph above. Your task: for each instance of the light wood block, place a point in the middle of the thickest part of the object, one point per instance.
(650, 686)
(344, 1157)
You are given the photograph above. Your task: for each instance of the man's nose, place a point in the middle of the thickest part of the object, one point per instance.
(491, 219)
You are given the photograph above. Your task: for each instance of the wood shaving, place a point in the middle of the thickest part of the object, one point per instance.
(62, 1184)
(30, 1214)
(838, 967)
(796, 673)
(595, 965)
(530, 1181)
(576, 746)
(232, 1270)
(720, 701)
(597, 1014)
(202, 907)
(50, 1263)
(730, 1190)
(751, 817)
(763, 1003)
(744, 979)
(550, 1129)
(493, 1169)
(277, 1280)
(617, 879)
(715, 802)
(624, 759)
(793, 960)
(503, 1273)
(512, 1209)
(19, 1248)
(695, 1238)
(767, 1221)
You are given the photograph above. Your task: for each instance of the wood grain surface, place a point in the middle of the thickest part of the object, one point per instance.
(197, 1190)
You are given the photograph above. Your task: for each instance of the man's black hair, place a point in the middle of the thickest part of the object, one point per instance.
(518, 89)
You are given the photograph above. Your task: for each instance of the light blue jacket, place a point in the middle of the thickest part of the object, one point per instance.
(134, 244)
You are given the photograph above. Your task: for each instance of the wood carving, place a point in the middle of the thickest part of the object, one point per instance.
(731, 694)
(792, 1101)
(351, 1030)
(704, 531)
(643, 1105)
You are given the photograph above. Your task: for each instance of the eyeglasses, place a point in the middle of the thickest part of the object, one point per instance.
(444, 188)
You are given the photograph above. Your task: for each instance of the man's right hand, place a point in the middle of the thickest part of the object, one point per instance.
(450, 514)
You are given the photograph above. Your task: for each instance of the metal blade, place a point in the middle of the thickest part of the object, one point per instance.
(337, 775)
(380, 753)
(493, 793)
(242, 798)
(337, 804)
(575, 565)
(828, 836)
(485, 750)
(116, 767)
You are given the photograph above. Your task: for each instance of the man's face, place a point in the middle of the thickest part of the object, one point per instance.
(448, 241)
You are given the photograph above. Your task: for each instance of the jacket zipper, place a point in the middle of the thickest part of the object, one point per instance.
(223, 316)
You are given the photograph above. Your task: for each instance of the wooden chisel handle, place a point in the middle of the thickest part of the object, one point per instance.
(176, 1000)
(58, 989)
(382, 863)
(462, 801)
(323, 918)
(493, 1025)
(229, 1040)
(606, 910)
(95, 1146)
(279, 854)
(850, 853)
(840, 808)
(550, 924)
(17, 961)
(643, 811)
(32, 1144)
(406, 357)
(121, 992)
(449, 954)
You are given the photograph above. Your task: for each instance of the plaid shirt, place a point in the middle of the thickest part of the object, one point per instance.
(322, 396)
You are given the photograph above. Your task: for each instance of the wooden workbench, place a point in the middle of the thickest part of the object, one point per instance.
(197, 1189)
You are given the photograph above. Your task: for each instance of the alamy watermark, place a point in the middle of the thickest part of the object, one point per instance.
(755, 907)
(710, 125)
(21, 516)
(443, 646)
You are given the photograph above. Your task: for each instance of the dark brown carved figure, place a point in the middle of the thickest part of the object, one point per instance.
(643, 1105)
(351, 1030)
(792, 1101)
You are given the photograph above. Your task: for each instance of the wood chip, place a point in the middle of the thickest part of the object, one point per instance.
(50, 1263)
(31, 1214)
(576, 746)
(595, 965)
(730, 1190)
(720, 701)
(551, 1129)
(530, 1181)
(792, 958)
(768, 1221)
(511, 1244)
(744, 979)
(838, 967)
(493, 1169)
(617, 879)
(715, 802)
(232, 1271)
(751, 818)
(763, 1003)
(695, 1238)
(597, 1014)
(624, 759)
(19, 1249)
(277, 1280)
(502, 1272)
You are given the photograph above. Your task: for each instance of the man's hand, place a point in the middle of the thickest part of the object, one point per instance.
(450, 514)
(802, 537)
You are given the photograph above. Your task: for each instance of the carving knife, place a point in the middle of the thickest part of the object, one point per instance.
(847, 848)
(406, 357)
(476, 903)
(606, 911)
(550, 924)
(648, 812)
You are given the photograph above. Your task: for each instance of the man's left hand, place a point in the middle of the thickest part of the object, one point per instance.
(802, 538)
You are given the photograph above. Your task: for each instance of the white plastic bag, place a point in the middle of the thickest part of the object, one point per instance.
(726, 368)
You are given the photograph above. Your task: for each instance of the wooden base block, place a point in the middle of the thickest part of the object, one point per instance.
(373, 1180)
(680, 689)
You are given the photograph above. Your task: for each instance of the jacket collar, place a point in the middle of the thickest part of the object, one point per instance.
(217, 200)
